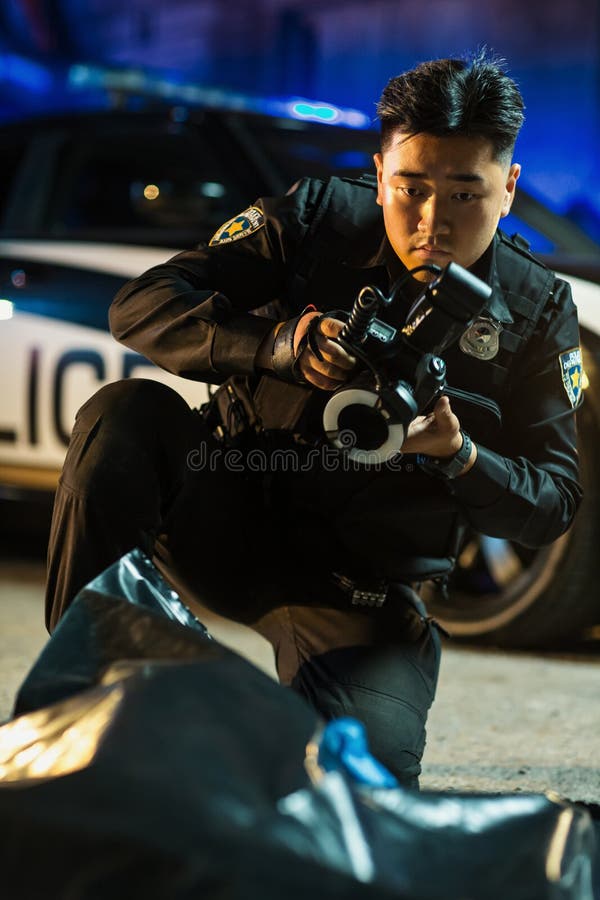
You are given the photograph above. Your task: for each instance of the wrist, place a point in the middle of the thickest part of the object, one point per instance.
(451, 466)
(290, 340)
(470, 462)
(263, 361)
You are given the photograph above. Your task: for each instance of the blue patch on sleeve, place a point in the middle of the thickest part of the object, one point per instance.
(571, 368)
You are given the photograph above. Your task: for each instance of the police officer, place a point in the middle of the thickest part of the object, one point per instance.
(322, 558)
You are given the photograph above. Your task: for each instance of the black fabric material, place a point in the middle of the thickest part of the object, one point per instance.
(167, 766)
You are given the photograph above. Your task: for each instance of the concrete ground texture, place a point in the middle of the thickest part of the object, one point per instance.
(501, 721)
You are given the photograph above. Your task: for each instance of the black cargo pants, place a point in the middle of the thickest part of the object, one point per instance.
(143, 470)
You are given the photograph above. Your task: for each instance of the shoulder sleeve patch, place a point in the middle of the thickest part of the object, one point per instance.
(240, 226)
(571, 369)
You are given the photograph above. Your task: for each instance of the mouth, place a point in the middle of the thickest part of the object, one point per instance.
(429, 250)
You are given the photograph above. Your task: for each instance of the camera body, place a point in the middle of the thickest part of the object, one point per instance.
(402, 372)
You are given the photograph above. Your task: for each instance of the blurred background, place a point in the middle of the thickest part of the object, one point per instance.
(339, 51)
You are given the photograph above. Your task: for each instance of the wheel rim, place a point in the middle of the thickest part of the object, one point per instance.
(494, 583)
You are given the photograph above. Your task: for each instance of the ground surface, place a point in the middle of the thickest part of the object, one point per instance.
(501, 722)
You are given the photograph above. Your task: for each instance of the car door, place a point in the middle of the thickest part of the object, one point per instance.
(91, 202)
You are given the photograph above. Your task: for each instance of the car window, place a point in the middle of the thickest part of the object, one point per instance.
(298, 149)
(117, 183)
(11, 154)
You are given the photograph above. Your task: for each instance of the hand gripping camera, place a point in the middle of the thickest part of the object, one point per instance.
(402, 372)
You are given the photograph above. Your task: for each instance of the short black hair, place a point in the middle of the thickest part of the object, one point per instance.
(470, 97)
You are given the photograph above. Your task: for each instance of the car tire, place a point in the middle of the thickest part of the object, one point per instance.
(506, 595)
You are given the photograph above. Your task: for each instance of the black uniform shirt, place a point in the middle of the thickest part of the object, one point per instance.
(193, 316)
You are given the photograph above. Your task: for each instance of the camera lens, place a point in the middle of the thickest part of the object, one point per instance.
(366, 423)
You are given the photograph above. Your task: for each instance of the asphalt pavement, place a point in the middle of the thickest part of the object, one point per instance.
(501, 722)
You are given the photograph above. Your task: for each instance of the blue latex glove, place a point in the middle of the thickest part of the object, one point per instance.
(344, 748)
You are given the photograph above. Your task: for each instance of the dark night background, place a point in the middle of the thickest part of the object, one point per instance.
(339, 51)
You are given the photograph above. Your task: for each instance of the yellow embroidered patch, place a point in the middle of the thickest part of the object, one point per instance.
(240, 226)
(571, 369)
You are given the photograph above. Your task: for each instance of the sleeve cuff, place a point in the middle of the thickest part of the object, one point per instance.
(485, 483)
(236, 342)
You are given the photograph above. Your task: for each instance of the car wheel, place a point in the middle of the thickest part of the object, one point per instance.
(507, 595)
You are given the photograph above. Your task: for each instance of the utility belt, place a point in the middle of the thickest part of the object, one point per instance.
(372, 595)
(374, 592)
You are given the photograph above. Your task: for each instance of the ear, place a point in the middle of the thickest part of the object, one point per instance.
(510, 188)
(378, 160)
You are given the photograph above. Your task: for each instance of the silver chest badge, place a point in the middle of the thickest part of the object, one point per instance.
(481, 339)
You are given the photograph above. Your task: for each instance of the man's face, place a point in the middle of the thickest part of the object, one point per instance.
(442, 197)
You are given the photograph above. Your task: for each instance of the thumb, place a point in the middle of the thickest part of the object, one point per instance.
(442, 406)
(444, 416)
(302, 327)
(330, 327)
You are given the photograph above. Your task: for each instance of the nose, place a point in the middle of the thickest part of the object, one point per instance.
(434, 220)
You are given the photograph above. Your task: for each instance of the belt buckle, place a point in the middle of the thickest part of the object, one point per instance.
(370, 595)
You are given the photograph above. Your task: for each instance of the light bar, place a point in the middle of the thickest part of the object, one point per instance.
(137, 81)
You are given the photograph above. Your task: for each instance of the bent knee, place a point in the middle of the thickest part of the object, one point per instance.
(395, 728)
(395, 731)
(139, 398)
(118, 435)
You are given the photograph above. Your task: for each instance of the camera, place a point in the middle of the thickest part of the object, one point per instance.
(402, 372)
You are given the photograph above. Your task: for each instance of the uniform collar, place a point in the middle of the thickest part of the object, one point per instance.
(497, 306)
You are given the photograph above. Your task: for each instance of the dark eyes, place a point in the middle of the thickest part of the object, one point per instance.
(414, 192)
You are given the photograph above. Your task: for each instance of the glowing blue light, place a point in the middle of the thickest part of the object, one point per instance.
(352, 159)
(24, 72)
(148, 84)
(353, 118)
(212, 189)
(326, 113)
(80, 76)
(314, 112)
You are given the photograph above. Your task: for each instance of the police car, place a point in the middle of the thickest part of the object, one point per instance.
(91, 200)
